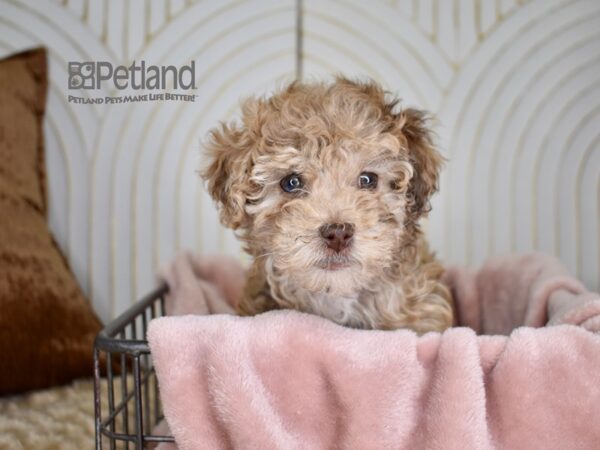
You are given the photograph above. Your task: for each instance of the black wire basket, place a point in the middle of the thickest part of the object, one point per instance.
(130, 390)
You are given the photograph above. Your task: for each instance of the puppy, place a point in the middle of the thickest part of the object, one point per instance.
(325, 185)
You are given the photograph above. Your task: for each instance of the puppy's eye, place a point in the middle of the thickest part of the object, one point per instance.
(291, 183)
(367, 180)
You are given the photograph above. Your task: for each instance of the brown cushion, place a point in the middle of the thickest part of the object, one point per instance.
(47, 326)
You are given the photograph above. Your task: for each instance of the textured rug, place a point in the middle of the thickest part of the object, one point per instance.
(59, 418)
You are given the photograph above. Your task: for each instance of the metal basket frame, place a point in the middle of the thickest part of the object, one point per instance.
(124, 340)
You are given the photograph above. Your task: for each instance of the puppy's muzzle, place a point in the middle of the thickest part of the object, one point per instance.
(337, 236)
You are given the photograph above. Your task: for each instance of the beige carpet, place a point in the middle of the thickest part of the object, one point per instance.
(59, 418)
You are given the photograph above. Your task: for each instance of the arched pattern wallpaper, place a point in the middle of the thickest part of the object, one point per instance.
(514, 85)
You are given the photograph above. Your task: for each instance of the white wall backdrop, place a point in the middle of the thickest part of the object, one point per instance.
(515, 86)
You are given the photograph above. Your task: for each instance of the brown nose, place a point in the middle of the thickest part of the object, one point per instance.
(337, 236)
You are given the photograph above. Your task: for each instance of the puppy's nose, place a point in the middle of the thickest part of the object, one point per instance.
(337, 236)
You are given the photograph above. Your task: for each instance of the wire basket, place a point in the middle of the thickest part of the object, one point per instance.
(131, 388)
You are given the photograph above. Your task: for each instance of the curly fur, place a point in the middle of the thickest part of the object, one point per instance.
(330, 134)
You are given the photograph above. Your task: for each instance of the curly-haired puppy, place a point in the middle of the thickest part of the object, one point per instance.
(325, 184)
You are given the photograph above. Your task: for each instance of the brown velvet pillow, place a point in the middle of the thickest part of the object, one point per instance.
(47, 326)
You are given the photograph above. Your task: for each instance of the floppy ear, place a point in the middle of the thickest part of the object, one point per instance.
(228, 150)
(425, 159)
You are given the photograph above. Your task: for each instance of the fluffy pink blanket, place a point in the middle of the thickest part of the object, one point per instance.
(286, 380)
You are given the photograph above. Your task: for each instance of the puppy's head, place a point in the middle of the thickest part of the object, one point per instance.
(326, 182)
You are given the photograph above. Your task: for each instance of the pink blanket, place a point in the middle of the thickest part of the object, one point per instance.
(286, 380)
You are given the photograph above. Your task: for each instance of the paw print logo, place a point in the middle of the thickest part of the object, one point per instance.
(81, 75)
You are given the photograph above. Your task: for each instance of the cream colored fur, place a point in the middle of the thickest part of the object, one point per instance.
(330, 135)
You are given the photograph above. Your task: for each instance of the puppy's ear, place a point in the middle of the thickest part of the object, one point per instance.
(229, 150)
(425, 159)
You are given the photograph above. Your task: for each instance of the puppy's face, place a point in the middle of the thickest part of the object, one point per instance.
(326, 183)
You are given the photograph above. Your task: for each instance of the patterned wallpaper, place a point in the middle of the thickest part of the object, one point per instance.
(515, 86)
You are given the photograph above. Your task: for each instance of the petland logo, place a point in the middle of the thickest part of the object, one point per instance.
(96, 75)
